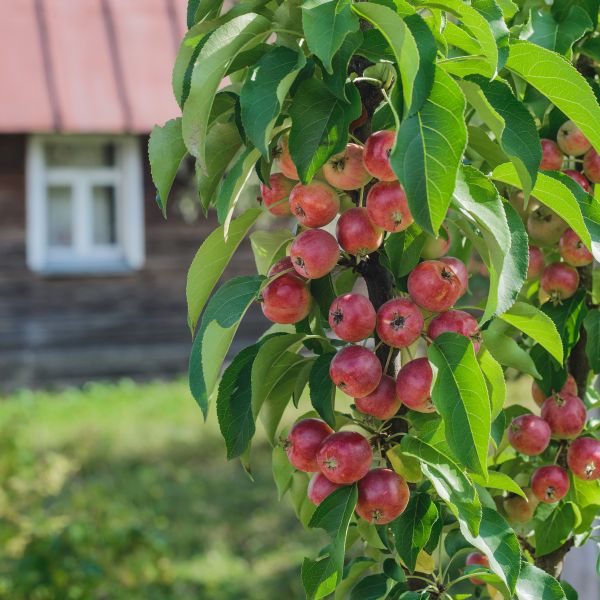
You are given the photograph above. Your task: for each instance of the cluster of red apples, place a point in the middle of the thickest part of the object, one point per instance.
(434, 286)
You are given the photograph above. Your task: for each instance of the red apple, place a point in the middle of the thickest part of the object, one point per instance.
(565, 414)
(529, 434)
(552, 157)
(591, 166)
(560, 281)
(345, 457)
(413, 385)
(457, 321)
(460, 269)
(320, 487)
(536, 262)
(382, 496)
(356, 371)
(387, 206)
(377, 155)
(314, 253)
(550, 484)
(519, 509)
(570, 387)
(345, 171)
(284, 264)
(571, 139)
(286, 300)
(315, 204)
(303, 443)
(356, 234)
(286, 164)
(544, 226)
(399, 322)
(275, 195)
(352, 317)
(434, 286)
(573, 250)
(583, 458)
(383, 403)
(579, 178)
(476, 558)
(436, 247)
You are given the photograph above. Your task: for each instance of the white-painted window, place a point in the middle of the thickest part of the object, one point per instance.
(85, 210)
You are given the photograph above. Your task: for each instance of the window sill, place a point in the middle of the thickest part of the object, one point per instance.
(90, 270)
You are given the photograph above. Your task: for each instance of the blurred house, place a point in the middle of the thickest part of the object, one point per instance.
(92, 278)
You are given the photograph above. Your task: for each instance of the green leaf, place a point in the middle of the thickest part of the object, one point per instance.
(352, 573)
(477, 25)
(403, 250)
(560, 82)
(413, 527)
(460, 395)
(554, 194)
(263, 93)
(326, 24)
(499, 543)
(322, 390)
(267, 246)
(499, 481)
(320, 123)
(210, 261)
(552, 374)
(512, 125)
(222, 46)
(234, 403)
(371, 587)
(494, 379)
(537, 325)
(336, 81)
(428, 151)
(568, 318)
(492, 13)
(559, 36)
(488, 150)
(448, 479)
(283, 470)
(554, 531)
(320, 577)
(535, 584)
(592, 342)
(215, 334)
(166, 150)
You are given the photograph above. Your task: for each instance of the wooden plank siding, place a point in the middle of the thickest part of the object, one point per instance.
(56, 330)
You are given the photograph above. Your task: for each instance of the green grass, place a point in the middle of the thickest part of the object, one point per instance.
(121, 492)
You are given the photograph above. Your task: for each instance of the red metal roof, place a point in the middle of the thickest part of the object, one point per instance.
(88, 66)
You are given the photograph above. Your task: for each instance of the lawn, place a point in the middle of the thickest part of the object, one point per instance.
(119, 491)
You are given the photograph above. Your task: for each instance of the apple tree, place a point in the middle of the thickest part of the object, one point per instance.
(426, 230)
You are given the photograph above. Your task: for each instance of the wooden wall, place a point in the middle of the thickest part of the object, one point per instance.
(56, 330)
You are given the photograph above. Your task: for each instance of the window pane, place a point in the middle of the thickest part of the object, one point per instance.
(80, 154)
(60, 219)
(104, 209)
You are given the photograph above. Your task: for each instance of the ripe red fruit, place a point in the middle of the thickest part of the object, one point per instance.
(591, 166)
(544, 226)
(276, 195)
(565, 414)
(345, 457)
(476, 558)
(559, 281)
(346, 170)
(521, 510)
(356, 233)
(356, 371)
(315, 204)
(457, 321)
(529, 434)
(579, 178)
(352, 317)
(284, 264)
(550, 484)
(320, 487)
(387, 206)
(303, 443)
(382, 496)
(552, 157)
(436, 247)
(286, 300)
(583, 458)
(433, 285)
(570, 387)
(383, 403)
(314, 253)
(377, 155)
(573, 250)
(399, 322)
(460, 269)
(536, 262)
(286, 164)
(413, 385)
(571, 139)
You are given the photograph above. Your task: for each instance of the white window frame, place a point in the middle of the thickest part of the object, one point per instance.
(127, 177)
